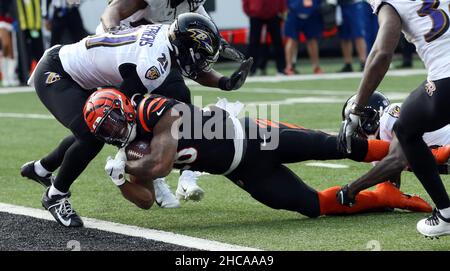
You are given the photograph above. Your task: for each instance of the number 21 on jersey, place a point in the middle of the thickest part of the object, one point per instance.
(438, 16)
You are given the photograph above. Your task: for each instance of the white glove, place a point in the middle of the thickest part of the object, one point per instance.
(115, 168)
(348, 130)
(121, 155)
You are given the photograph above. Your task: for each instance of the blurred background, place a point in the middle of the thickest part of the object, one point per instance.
(285, 37)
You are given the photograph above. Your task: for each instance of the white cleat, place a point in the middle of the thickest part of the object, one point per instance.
(187, 186)
(434, 226)
(164, 197)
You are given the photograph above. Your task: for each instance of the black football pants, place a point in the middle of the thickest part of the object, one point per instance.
(65, 99)
(425, 109)
(262, 173)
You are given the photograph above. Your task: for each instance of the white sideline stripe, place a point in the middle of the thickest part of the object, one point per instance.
(270, 79)
(326, 76)
(162, 236)
(26, 116)
(326, 165)
(15, 90)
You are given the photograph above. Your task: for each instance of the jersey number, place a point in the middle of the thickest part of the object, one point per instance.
(438, 16)
(110, 40)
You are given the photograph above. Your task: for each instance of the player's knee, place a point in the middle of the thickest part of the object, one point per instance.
(403, 133)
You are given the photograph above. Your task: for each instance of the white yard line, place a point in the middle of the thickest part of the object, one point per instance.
(26, 116)
(326, 165)
(326, 76)
(162, 236)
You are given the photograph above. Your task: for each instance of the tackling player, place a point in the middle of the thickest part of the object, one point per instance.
(425, 24)
(138, 61)
(122, 14)
(238, 150)
(378, 122)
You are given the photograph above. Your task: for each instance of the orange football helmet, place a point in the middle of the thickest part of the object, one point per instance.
(110, 116)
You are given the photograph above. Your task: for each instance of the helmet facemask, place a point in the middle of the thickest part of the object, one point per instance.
(369, 122)
(115, 127)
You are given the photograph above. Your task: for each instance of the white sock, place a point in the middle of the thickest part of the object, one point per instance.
(445, 212)
(40, 170)
(55, 192)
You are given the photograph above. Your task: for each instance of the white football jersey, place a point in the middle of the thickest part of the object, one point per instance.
(439, 137)
(426, 25)
(160, 12)
(94, 61)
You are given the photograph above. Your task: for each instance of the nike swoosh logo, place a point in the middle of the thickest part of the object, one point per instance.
(64, 222)
(160, 111)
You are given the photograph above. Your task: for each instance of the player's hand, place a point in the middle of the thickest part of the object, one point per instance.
(115, 29)
(342, 196)
(229, 52)
(238, 78)
(115, 168)
(348, 129)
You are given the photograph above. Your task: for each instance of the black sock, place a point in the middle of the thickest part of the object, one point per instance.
(53, 160)
(76, 159)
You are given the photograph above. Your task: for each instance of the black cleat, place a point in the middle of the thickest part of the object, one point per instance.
(27, 171)
(343, 197)
(61, 210)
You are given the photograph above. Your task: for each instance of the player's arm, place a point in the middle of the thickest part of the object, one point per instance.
(139, 192)
(380, 57)
(131, 83)
(217, 80)
(377, 65)
(163, 147)
(118, 10)
(389, 168)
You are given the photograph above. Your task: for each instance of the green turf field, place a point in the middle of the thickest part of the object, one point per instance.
(227, 213)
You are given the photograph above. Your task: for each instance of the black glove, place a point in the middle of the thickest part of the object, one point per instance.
(237, 79)
(343, 198)
(229, 52)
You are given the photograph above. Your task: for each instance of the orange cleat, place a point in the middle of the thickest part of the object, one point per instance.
(397, 199)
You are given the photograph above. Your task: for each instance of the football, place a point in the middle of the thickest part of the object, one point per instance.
(137, 149)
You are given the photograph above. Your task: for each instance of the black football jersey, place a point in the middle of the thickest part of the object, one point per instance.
(205, 140)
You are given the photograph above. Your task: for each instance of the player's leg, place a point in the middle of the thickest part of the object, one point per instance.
(65, 100)
(426, 109)
(278, 188)
(291, 31)
(274, 29)
(254, 45)
(297, 144)
(386, 195)
(313, 31)
(41, 171)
